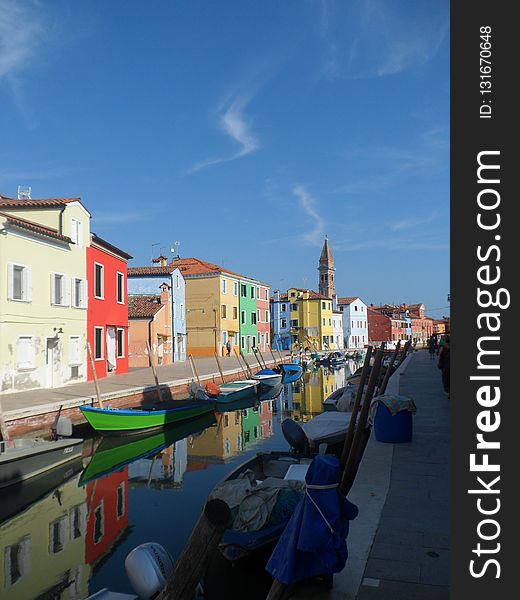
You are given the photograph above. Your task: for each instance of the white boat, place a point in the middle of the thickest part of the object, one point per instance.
(24, 458)
(269, 378)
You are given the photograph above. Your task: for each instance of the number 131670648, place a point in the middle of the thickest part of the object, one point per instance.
(485, 72)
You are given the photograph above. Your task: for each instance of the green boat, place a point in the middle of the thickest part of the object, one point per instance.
(236, 390)
(117, 421)
(114, 453)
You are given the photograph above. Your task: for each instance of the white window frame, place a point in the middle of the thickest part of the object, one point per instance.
(122, 301)
(120, 354)
(76, 232)
(30, 363)
(102, 297)
(235, 288)
(243, 317)
(102, 357)
(64, 300)
(84, 292)
(224, 285)
(26, 283)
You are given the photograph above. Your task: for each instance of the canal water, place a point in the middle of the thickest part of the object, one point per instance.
(65, 535)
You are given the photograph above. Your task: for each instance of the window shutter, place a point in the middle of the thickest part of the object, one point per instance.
(65, 290)
(27, 272)
(53, 297)
(84, 299)
(10, 277)
(74, 300)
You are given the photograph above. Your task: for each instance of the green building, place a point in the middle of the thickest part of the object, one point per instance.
(248, 316)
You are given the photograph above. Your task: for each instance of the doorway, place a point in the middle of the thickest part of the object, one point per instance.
(51, 356)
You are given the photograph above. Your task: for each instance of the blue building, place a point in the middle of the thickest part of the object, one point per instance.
(280, 321)
(147, 280)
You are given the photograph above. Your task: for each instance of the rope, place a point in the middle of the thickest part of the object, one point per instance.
(319, 510)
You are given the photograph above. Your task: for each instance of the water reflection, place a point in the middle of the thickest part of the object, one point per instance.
(66, 534)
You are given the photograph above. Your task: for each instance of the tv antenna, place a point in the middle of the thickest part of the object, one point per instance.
(24, 192)
(175, 250)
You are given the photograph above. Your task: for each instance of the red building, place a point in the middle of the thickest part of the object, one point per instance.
(107, 316)
(384, 326)
(263, 325)
(107, 504)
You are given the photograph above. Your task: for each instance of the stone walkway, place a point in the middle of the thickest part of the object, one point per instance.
(410, 555)
(23, 404)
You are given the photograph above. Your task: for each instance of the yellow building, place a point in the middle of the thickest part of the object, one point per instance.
(43, 548)
(310, 392)
(43, 295)
(220, 442)
(311, 319)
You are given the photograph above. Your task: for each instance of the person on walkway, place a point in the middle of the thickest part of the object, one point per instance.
(432, 347)
(444, 364)
(228, 348)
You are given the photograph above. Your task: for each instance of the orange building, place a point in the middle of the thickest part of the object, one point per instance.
(150, 322)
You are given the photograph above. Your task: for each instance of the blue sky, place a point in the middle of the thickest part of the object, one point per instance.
(247, 131)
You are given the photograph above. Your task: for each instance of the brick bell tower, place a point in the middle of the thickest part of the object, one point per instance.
(326, 269)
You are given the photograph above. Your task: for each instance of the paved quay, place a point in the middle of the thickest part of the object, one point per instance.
(24, 405)
(399, 545)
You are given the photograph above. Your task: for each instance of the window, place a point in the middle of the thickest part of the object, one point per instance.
(330, 322)
(120, 343)
(77, 516)
(253, 318)
(242, 317)
(294, 307)
(235, 338)
(99, 523)
(120, 279)
(235, 288)
(284, 323)
(257, 293)
(284, 307)
(79, 292)
(223, 311)
(120, 503)
(293, 294)
(258, 318)
(235, 312)
(57, 535)
(267, 316)
(59, 295)
(74, 350)
(324, 321)
(294, 322)
(224, 338)
(75, 231)
(252, 292)
(258, 338)
(323, 305)
(177, 281)
(25, 352)
(19, 282)
(99, 282)
(17, 560)
(355, 308)
(224, 286)
(98, 343)
(267, 339)
(242, 342)
(243, 291)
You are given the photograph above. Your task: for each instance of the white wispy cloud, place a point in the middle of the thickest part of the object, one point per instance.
(233, 121)
(315, 235)
(370, 38)
(413, 221)
(22, 32)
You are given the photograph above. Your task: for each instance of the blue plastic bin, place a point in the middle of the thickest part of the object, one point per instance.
(392, 429)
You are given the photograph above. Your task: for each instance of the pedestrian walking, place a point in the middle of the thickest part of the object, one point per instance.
(444, 364)
(228, 348)
(432, 347)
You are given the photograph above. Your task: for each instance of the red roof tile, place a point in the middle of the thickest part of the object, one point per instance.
(35, 228)
(348, 300)
(142, 307)
(6, 202)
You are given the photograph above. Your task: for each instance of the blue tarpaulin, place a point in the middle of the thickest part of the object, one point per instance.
(267, 372)
(314, 540)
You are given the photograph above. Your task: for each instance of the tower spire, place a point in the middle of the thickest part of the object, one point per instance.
(326, 270)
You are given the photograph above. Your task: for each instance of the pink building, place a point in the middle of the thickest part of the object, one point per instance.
(263, 325)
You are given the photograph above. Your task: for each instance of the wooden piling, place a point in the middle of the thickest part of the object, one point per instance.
(353, 458)
(152, 364)
(255, 352)
(193, 369)
(355, 409)
(219, 367)
(192, 563)
(389, 369)
(247, 364)
(3, 427)
(93, 367)
(262, 358)
(273, 356)
(240, 365)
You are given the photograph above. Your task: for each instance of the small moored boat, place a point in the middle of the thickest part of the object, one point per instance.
(268, 377)
(116, 421)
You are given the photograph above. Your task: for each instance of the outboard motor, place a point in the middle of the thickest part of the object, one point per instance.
(295, 436)
(148, 567)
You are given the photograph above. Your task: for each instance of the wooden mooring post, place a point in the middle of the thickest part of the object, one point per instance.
(96, 383)
(152, 364)
(193, 369)
(389, 369)
(192, 563)
(244, 372)
(219, 367)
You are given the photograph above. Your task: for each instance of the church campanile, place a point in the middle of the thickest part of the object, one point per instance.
(326, 270)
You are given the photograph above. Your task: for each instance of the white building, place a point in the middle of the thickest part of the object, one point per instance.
(337, 330)
(355, 321)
